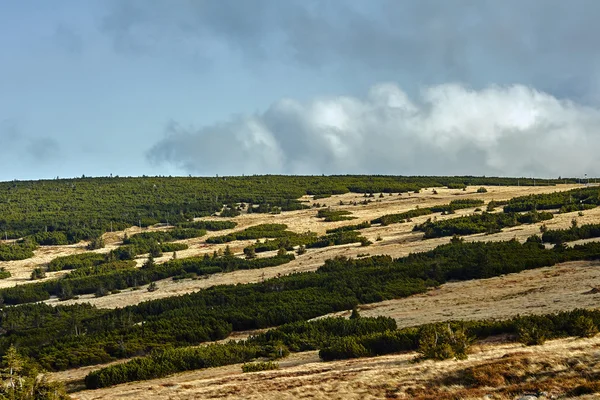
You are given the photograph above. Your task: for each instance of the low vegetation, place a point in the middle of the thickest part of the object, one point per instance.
(478, 223)
(329, 215)
(259, 366)
(445, 209)
(213, 313)
(339, 338)
(357, 227)
(575, 232)
(254, 232)
(566, 201)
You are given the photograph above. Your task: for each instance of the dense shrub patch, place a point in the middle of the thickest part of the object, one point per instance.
(573, 233)
(572, 200)
(478, 223)
(329, 215)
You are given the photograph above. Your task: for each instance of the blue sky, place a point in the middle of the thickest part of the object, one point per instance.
(161, 87)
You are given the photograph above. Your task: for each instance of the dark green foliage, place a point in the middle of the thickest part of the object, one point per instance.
(309, 240)
(4, 273)
(478, 223)
(129, 251)
(584, 326)
(20, 380)
(250, 253)
(50, 238)
(167, 362)
(304, 335)
(38, 273)
(534, 239)
(329, 215)
(339, 238)
(343, 348)
(229, 213)
(448, 208)
(287, 242)
(457, 205)
(402, 217)
(259, 366)
(456, 185)
(101, 269)
(254, 232)
(16, 251)
(148, 238)
(362, 225)
(573, 233)
(96, 243)
(572, 200)
(441, 342)
(76, 261)
(482, 190)
(531, 334)
(208, 225)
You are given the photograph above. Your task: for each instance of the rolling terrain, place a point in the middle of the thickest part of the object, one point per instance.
(564, 286)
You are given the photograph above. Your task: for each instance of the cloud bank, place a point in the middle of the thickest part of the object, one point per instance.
(447, 129)
(547, 44)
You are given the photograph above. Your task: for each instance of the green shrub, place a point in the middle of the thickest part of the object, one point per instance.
(343, 348)
(38, 273)
(259, 366)
(441, 342)
(4, 273)
(531, 334)
(584, 326)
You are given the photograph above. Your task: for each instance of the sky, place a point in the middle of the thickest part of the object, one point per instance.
(232, 87)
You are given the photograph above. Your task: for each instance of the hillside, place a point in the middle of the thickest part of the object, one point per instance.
(267, 250)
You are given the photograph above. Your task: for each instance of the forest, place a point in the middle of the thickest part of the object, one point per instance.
(80, 209)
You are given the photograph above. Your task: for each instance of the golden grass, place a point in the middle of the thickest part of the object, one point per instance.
(501, 371)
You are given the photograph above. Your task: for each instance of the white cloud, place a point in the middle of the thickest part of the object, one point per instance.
(449, 129)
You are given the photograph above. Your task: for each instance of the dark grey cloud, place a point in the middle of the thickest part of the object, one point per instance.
(43, 149)
(448, 129)
(549, 44)
(37, 149)
(9, 134)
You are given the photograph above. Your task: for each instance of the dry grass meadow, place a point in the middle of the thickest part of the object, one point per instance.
(494, 371)
(497, 370)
